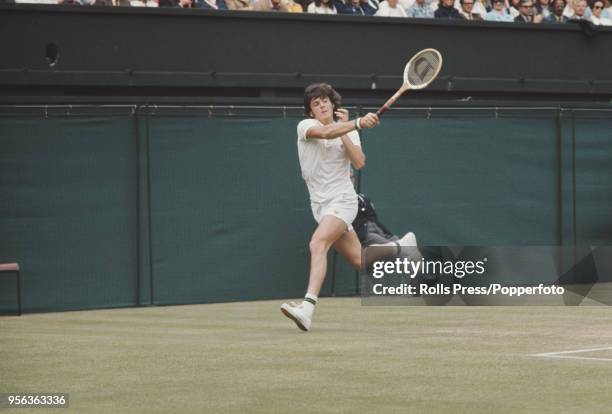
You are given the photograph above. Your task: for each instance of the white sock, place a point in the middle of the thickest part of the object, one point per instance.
(308, 303)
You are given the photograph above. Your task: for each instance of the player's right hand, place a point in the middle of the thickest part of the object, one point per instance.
(370, 120)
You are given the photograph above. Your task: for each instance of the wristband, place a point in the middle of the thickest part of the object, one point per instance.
(357, 125)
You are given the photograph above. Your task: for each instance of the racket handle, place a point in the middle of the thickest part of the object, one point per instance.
(382, 110)
(391, 101)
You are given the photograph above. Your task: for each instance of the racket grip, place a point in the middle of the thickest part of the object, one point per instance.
(382, 110)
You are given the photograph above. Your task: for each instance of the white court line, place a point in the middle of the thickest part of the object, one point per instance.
(563, 354)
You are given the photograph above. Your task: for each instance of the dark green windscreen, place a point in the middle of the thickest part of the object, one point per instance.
(229, 213)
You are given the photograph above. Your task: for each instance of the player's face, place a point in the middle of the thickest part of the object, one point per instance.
(322, 109)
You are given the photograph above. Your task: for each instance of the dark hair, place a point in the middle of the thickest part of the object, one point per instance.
(320, 90)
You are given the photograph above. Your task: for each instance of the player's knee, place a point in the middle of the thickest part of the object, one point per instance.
(318, 246)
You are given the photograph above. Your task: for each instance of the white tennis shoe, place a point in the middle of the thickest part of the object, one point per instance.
(409, 249)
(298, 314)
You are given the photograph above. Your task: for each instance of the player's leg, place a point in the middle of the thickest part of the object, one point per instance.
(389, 245)
(329, 230)
(350, 248)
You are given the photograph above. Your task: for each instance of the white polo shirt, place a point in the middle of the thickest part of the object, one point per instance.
(325, 166)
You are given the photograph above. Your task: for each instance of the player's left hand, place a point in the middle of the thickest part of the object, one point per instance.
(342, 114)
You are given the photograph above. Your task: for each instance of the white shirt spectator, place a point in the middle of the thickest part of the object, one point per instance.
(387, 11)
(312, 8)
(405, 4)
(601, 21)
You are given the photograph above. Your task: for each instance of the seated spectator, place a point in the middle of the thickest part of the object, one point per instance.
(322, 7)
(479, 7)
(370, 7)
(513, 8)
(186, 4)
(147, 3)
(210, 4)
(354, 7)
(499, 12)
(238, 4)
(294, 7)
(527, 13)
(607, 11)
(420, 9)
(543, 7)
(466, 10)
(390, 8)
(374, 4)
(580, 11)
(557, 16)
(570, 10)
(446, 10)
(597, 18)
(271, 5)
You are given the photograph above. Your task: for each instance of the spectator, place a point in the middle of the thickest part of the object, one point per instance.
(143, 3)
(210, 4)
(580, 8)
(446, 10)
(479, 7)
(557, 16)
(513, 8)
(390, 8)
(322, 7)
(374, 4)
(607, 11)
(271, 5)
(420, 9)
(405, 4)
(370, 7)
(466, 10)
(543, 8)
(526, 11)
(499, 12)
(570, 10)
(597, 17)
(354, 7)
(294, 7)
(238, 4)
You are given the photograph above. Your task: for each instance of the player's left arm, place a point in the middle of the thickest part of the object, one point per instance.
(354, 152)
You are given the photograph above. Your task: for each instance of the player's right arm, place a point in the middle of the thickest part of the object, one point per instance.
(337, 129)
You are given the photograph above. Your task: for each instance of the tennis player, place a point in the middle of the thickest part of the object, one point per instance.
(328, 144)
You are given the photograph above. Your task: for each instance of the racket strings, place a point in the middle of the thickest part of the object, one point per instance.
(423, 69)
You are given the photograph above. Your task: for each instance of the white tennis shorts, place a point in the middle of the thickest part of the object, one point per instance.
(343, 206)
